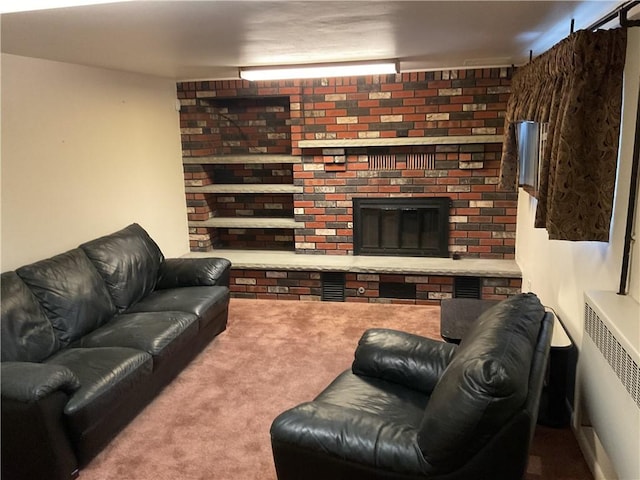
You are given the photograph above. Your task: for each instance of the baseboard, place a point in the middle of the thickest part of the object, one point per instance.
(594, 453)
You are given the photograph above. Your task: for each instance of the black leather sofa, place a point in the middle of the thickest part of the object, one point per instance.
(89, 337)
(416, 408)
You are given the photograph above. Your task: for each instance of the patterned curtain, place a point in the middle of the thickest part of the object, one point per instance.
(576, 86)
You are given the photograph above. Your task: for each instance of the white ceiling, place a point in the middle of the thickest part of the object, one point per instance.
(210, 39)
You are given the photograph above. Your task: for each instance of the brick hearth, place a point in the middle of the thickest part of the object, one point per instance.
(291, 276)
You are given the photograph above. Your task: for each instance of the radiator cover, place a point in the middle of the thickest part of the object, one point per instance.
(610, 377)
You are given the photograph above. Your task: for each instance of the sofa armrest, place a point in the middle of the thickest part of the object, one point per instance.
(35, 443)
(30, 382)
(404, 358)
(192, 272)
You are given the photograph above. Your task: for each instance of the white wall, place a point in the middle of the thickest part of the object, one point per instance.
(558, 271)
(85, 152)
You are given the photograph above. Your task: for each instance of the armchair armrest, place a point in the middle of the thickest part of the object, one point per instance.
(30, 382)
(410, 360)
(192, 272)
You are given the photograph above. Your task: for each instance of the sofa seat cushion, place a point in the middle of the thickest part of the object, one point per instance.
(128, 261)
(157, 333)
(71, 292)
(204, 302)
(107, 376)
(27, 334)
(358, 419)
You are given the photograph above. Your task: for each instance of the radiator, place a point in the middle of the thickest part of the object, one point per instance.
(610, 379)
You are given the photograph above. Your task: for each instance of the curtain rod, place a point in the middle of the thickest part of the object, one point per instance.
(621, 11)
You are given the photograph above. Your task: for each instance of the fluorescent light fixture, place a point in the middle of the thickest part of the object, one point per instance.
(319, 70)
(13, 6)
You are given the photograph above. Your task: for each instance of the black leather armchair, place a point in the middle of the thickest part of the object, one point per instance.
(416, 408)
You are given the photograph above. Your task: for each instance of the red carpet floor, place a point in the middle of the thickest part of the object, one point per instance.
(213, 421)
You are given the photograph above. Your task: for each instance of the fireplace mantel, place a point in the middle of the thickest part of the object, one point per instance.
(400, 141)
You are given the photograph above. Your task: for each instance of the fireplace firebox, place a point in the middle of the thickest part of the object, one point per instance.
(401, 226)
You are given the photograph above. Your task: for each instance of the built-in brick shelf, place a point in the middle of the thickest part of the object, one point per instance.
(291, 276)
(248, 222)
(401, 141)
(252, 158)
(244, 188)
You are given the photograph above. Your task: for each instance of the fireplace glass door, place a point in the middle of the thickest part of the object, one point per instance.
(401, 226)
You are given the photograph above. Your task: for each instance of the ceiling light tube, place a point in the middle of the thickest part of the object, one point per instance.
(319, 70)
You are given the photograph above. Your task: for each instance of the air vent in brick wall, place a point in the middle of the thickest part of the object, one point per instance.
(414, 161)
(382, 162)
(333, 286)
(466, 287)
(421, 161)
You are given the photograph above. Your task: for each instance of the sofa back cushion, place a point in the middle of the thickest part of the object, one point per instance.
(128, 261)
(27, 334)
(71, 292)
(485, 384)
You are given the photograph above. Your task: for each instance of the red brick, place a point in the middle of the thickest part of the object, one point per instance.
(387, 87)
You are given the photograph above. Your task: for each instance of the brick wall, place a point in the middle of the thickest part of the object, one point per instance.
(294, 285)
(272, 117)
(457, 102)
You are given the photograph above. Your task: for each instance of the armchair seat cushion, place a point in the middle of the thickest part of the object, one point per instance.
(376, 396)
(107, 376)
(157, 333)
(361, 420)
(204, 302)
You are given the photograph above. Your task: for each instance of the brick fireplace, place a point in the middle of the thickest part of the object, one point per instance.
(401, 226)
(305, 149)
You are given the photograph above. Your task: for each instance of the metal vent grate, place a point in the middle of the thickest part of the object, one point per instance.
(466, 287)
(421, 161)
(333, 286)
(382, 162)
(620, 361)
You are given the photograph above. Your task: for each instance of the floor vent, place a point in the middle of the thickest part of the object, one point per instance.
(467, 287)
(397, 290)
(333, 286)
